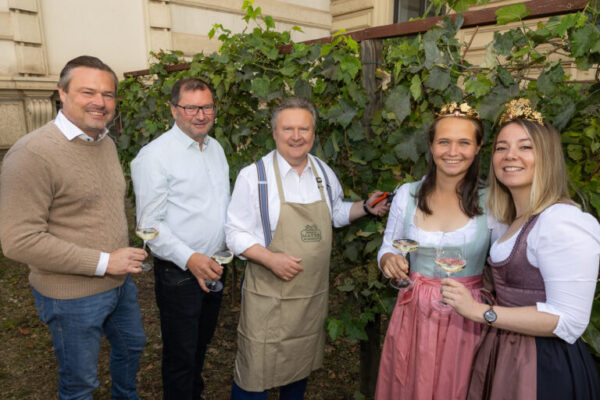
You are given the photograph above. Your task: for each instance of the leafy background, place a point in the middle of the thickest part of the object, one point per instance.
(377, 138)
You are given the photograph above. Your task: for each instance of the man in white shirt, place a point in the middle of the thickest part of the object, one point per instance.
(183, 177)
(286, 236)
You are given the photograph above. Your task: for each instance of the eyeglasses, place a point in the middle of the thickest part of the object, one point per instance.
(192, 111)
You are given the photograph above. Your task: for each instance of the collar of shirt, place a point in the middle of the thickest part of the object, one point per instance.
(187, 141)
(285, 168)
(71, 131)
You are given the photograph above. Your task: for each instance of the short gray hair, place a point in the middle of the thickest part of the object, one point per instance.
(295, 102)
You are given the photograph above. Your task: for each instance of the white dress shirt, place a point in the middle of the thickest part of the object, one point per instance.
(188, 190)
(565, 245)
(71, 131)
(244, 228)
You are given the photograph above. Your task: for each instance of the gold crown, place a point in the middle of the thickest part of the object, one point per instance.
(458, 110)
(521, 109)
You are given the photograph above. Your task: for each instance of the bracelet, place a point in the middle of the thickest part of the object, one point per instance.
(366, 208)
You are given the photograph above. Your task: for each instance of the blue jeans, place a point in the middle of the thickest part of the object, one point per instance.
(77, 325)
(291, 391)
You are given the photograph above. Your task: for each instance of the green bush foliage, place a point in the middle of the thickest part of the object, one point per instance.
(382, 149)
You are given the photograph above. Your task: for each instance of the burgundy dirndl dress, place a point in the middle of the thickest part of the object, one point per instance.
(513, 366)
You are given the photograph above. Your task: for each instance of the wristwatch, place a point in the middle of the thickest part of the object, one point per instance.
(490, 316)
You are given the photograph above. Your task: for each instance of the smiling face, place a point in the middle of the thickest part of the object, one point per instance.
(197, 126)
(454, 146)
(294, 136)
(90, 100)
(514, 158)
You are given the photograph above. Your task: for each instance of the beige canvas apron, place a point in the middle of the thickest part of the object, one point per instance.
(281, 333)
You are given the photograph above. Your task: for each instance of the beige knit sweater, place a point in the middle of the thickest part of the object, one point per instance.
(61, 204)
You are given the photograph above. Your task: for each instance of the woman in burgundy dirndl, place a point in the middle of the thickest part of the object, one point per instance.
(545, 267)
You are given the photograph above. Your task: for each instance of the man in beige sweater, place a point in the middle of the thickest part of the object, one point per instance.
(62, 213)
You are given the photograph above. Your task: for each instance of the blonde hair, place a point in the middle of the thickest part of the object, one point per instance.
(549, 184)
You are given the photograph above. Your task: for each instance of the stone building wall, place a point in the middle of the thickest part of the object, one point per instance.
(37, 38)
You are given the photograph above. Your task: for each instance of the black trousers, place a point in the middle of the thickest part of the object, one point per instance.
(188, 317)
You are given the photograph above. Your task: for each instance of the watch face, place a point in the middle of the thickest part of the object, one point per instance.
(489, 316)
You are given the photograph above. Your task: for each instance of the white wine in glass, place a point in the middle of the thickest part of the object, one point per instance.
(221, 257)
(450, 265)
(450, 258)
(147, 227)
(146, 234)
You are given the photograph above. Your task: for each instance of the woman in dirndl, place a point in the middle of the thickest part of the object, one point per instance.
(545, 267)
(428, 350)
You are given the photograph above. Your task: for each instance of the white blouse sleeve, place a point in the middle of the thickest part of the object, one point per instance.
(565, 245)
(396, 215)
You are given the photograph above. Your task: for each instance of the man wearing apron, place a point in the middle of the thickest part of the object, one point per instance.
(280, 219)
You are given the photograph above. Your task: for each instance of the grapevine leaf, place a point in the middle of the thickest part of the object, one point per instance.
(398, 102)
(479, 86)
(512, 13)
(438, 79)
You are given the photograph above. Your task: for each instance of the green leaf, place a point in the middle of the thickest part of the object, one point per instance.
(564, 116)
(269, 22)
(567, 22)
(581, 41)
(335, 328)
(407, 149)
(302, 89)
(415, 87)
(505, 77)
(491, 58)
(438, 79)
(398, 102)
(480, 86)
(432, 53)
(372, 245)
(351, 253)
(349, 67)
(356, 132)
(462, 5)
(389, 159)
(512, 13)
(358, 396)
(549, 80)
(503, 42)
(363, 154)
(290, 69)
(356, 332)
(341, 113)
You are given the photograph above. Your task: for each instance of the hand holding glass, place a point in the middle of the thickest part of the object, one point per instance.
(450, 258)
(221, 257)
(406, 246)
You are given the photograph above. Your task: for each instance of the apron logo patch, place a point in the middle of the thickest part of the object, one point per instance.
(311, 233)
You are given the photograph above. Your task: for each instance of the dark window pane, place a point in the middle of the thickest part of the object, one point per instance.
(404, 10)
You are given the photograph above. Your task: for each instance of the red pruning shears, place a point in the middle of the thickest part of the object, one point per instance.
(387, 196)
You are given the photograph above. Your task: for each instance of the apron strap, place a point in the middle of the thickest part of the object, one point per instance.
(326, 181)
(263, 201)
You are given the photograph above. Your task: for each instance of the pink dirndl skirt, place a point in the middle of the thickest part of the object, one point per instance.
(427, 355)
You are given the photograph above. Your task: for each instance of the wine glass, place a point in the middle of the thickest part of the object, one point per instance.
(406, 246)
(221, 257)
(147, 228)
(450, 258)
